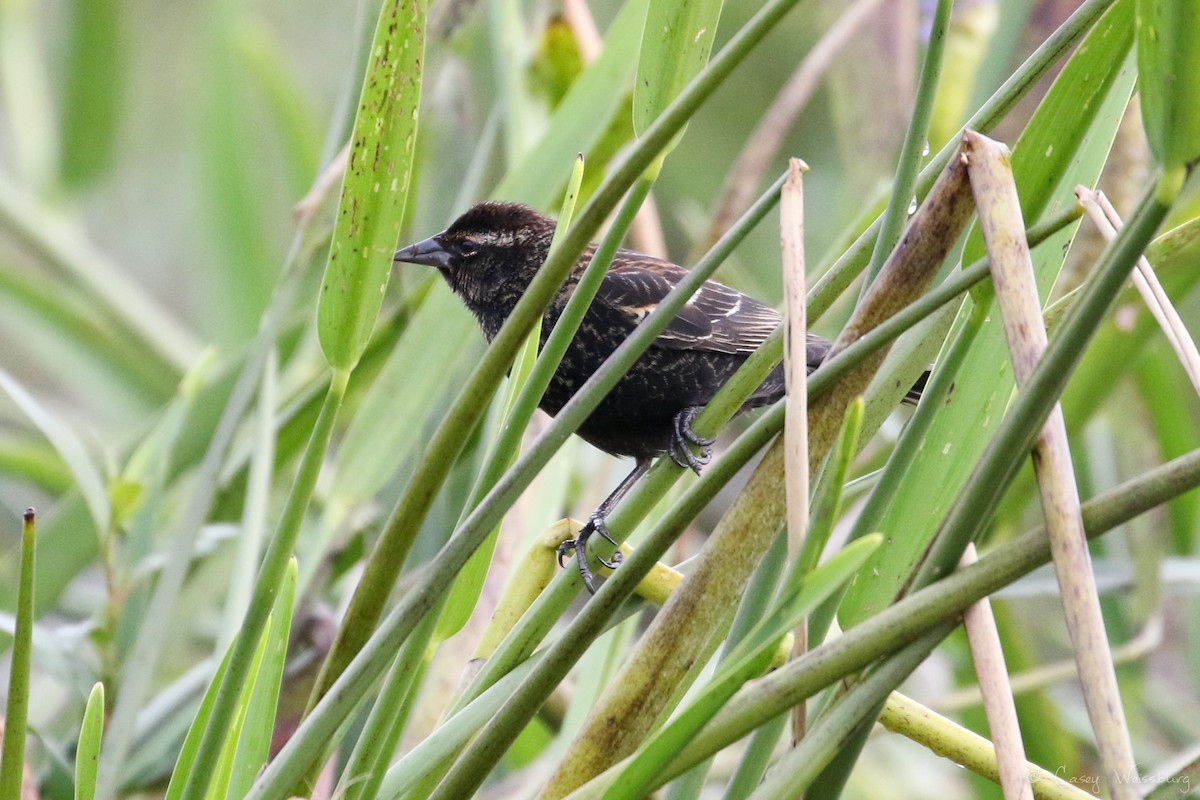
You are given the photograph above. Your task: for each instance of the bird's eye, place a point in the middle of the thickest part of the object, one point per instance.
(468, 248)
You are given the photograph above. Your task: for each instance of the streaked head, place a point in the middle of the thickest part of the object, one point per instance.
(493, 247)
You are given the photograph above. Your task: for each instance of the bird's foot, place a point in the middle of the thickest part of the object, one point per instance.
(684, 437)
(578, 545)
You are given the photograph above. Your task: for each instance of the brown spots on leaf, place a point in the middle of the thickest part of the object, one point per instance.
(352, 230)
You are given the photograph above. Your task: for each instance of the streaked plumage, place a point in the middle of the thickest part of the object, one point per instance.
(490, 254)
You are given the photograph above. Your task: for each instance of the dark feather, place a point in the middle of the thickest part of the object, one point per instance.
(717, 319)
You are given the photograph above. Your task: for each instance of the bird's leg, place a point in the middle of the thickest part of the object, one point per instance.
(684, 436)
(595, 524)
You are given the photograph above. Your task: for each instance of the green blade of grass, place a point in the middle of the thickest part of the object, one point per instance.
(16, 713)
(891, 224)
(367, 765)
(219, 781)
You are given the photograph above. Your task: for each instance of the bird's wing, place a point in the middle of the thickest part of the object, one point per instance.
(717, 318)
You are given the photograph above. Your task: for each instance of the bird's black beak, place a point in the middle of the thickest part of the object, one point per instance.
(429, 253)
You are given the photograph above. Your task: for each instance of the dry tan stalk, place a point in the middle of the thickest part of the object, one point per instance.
(1024, 328)
(1102, 214)
(998, 705)
(795, 430)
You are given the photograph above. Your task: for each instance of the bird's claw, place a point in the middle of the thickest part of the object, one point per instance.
(565, 548)
(684, 436)
(578, 545)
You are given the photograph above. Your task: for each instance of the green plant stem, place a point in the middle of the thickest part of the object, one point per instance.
(949, 740)
(756, 758)
(16, 714)
(270, 576)
(891, 225)
(899, 624)
(753, 606)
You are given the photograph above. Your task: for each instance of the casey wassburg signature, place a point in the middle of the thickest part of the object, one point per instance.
(1092, 782)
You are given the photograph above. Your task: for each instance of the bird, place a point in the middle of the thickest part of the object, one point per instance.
(489, 256)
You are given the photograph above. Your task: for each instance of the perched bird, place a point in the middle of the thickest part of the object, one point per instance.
(492, 252)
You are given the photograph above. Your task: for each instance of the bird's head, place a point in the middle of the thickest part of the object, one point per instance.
(489, 253)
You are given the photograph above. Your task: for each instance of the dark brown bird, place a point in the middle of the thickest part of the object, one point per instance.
(492, 252)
